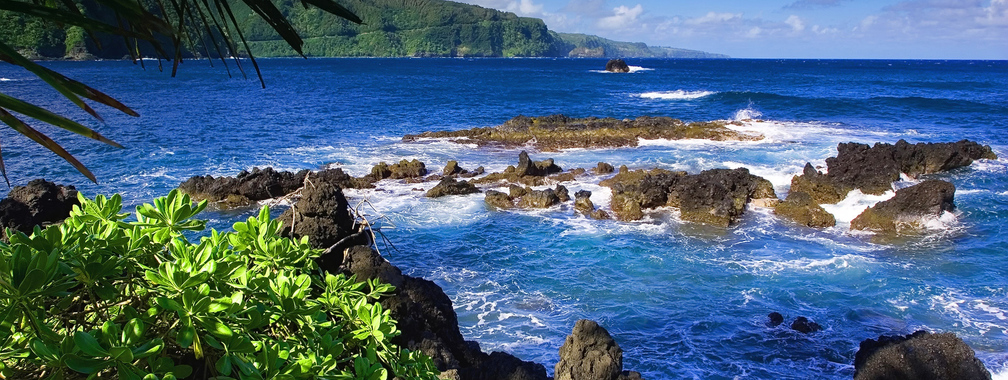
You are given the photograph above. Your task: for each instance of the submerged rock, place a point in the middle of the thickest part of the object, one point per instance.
(555, 132)
(920, 355)
(805, 326)
(802, 209)
(909, 210)
(617, 66)
(449, 186)
(39, 203)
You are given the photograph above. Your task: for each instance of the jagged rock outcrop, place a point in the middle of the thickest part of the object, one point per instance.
(452, 169)
(337, 177)
(716, 196)
(555, 132)
(590, 353)
(528, 172)
(617, 66)
(909, 209)
(802, 209)
(39, 203)
(584, 205)
(403, 170)
(920, 355)
(539, 199)
(322, 214)
(244, 189)
(498, 200)
(449, 186)
(603, 168)
(873, 169)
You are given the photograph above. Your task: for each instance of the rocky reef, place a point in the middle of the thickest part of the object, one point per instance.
(555, 132)
(873, 170)
(716, 197)
(39, 203)
(921, 355)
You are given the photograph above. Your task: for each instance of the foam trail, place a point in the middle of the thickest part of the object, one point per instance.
(676, 95)
(634, 69)
(856, 202)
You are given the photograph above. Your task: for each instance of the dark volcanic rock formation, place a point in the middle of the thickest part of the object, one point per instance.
(716, 196)
(805, 326)
(873, 169)
(802, 209)
(528, 172)
(260, 184)
(590, 353)
(909, 209)
(402, 170)
(322, 214)
(449, 186)
(429, 323)
(584, 205)
(774, 319)
(39, 203)
(244, 189)
(920, 355)
(499, 200)
(555, 132)
(617, 66)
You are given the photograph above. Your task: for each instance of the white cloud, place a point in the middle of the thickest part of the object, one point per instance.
(526, 7)
(622, 17)
(520, 7)
(796, 23)
(712, 17)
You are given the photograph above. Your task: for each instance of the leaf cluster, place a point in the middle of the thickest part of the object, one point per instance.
(99, 296)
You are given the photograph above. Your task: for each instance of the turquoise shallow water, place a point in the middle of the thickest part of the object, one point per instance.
(684, 301)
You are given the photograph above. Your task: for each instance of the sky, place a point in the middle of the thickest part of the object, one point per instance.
(869, 29)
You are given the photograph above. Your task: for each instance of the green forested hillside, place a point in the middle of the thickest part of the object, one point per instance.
(392, 28)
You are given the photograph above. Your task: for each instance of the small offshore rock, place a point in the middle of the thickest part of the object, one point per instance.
(774, 319)
(909, 209)
(562, 193)
(583, 203)
(539, 199)
(452, 168)
(499, 200)
(617, 66)
(449, 186)
(920, 355)
(403, 170)
(589, 353)
(603, 168)
(805, 326)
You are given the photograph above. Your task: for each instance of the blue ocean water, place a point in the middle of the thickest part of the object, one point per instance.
(682, 300)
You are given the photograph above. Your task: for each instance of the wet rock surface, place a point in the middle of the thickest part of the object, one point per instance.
(873, 168)
(39, 203)
(801, 208)
(920, 355)
(528, 172)
(322, 214)
(590, 353)
(909, 210)
(555, 132)
(617, 66)
(402, 170)
(244, 189)
(450, 186)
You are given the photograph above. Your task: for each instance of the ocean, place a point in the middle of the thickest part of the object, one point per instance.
(682, 300)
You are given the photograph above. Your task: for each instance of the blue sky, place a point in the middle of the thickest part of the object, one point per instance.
(913, 29)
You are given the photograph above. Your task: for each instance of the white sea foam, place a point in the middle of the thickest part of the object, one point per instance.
(999, 165)
(7, 80)
(772, 266)
(676, 95)
(747, 114)
(856, 202)
(779, 175)
(637, 69)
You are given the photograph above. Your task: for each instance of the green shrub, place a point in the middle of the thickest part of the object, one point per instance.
(100, 297)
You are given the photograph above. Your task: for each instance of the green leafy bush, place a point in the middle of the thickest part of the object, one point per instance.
(100, 297)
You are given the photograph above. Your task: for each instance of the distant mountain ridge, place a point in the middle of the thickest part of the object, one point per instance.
(392, 28)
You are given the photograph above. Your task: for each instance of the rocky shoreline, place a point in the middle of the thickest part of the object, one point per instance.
(717, 197)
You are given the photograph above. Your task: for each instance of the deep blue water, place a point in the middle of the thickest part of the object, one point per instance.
(683, 301)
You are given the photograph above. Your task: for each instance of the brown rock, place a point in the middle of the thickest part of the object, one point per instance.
(908, 210)
(802, 209)
(920, 355)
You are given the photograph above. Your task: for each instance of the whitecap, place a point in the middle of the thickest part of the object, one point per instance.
(7, 80)
(747, 113)
(637, 69)
(676, 95)
(854, 204)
